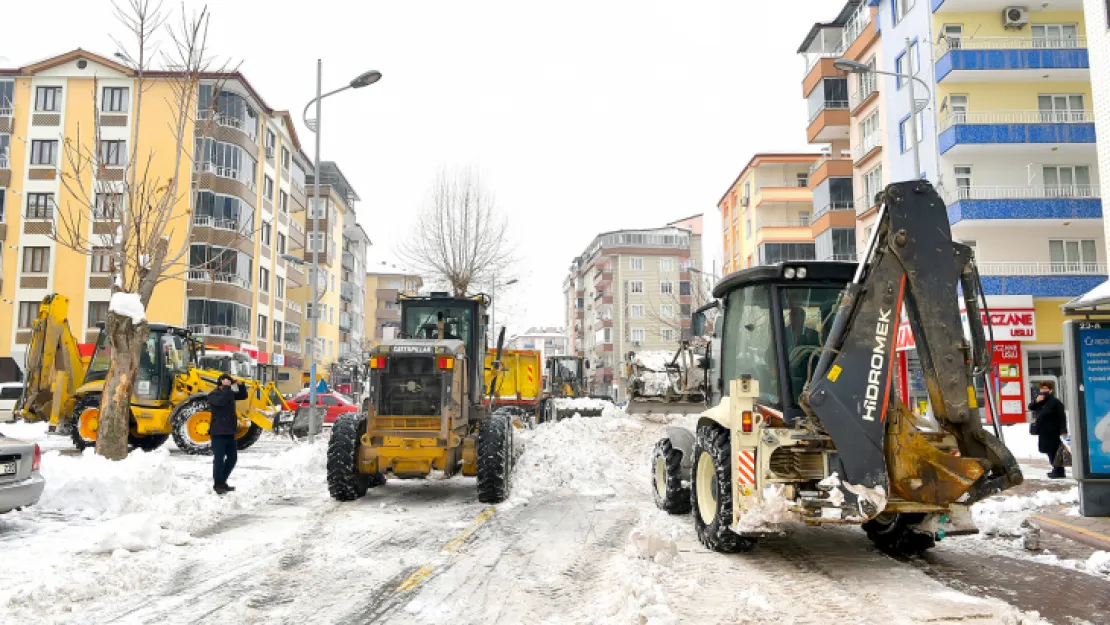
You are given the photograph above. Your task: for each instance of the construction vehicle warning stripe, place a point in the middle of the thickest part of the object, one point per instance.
(746, 467)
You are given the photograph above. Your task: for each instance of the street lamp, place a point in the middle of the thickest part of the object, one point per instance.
(362, 80)
(493, 303)
(855, 67)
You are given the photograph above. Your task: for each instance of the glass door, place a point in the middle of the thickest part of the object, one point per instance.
(1067, 180)
(1054, 35)
(1060, 108)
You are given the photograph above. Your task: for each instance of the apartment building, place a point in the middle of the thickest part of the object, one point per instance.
(1097, 14)
(548, 341)
(352, 290)
(248, 177)
(631, 290)
(384, 283)
(766, 213)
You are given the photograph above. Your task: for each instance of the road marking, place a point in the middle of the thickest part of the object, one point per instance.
(420, 574)
(1099, 538)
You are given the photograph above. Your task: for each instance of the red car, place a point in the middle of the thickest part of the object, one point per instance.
(336, 403)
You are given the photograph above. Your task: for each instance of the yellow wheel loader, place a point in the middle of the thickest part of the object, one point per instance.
(804, 423)
(428, 405)
(565, 392)
(169, 396)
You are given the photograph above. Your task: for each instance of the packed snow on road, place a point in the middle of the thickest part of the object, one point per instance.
(579, 541)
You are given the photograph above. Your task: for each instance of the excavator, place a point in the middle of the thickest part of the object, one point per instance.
(169, 397)
(565, 391)
(802, 422)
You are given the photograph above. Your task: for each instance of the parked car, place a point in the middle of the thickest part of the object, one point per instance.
(9, 395)
(21, 484)
(337, 404)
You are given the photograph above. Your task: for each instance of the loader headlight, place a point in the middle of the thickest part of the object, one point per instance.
(788, 273)
(801, 273)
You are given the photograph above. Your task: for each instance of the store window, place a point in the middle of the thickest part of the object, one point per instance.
(1046, 366)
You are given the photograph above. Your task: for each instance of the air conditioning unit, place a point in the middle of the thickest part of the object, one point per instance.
(1014, 18)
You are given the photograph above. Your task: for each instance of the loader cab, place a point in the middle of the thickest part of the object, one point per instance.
(565, 370)
(440, 317)
(168, 351)
(773, 321)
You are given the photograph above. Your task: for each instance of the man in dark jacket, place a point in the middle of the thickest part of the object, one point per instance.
(224, 425)
(1050, 422)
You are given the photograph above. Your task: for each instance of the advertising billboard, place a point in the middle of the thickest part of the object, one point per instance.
(1091, 341)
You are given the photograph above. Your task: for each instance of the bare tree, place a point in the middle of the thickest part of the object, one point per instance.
(460, 237)
(667, 308)
(140, 190)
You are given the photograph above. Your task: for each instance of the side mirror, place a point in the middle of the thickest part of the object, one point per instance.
(697, 324)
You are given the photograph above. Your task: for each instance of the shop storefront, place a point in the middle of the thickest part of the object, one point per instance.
(1027, 351)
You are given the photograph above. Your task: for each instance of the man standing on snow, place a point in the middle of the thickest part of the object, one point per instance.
(224, 425)
(1050, 422)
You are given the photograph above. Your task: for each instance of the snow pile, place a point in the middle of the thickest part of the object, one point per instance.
(1099, 562)
(768, 515)
(637, 596)
(128, 305)
(653, 371)
(30, 432)
(1003, 516)
(654, 538)
(581, 403)
(1019, 441)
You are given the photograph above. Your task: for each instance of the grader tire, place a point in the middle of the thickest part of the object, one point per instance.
(894, 534)
(150, 442)
(82, 441)
(345, 483)
(250, 438)
(495, 458)
(670, 494)
(711, 495)
(184, 428)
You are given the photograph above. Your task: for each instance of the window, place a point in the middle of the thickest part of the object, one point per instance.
(36, 259)
(40, 206)
(113, 153)
(957, 108)
(44, 152)
(262, 324)
(114, 100)
(915, 59)
(279, 286)
(748, 227)
(28, 311)
(101, 260)
(48, 99)
(280, 243)
(666, 264)
(317, 208)
(872, 185)
(636, 286)
(748, 343)
(1061, 107)
(667, 334)
(963, 181)
(263, 279)
(900, 8)
(801, 179)
(684, 287)
(636, 311)
(869, 132)
(285, 158)
(771, 253)
(1067, 181)
(666, 287)
(637, 335)
(107, 205)
(2, 196)
(1073, 256)
(268, 188)
(267, 233)
(1054, 35)
(903, 133)
(98, 313)
(283, 201)
(277, 331)
(220, 314)
(5, 143)
(7, 92)
(271, 143)
(803, 218)
(666, 311)
(636, 264)
(899, 69)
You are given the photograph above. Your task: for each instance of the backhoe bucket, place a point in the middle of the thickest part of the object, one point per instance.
(659, 405)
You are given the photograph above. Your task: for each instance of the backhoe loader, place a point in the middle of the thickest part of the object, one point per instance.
(566, 391)
(169, 396)
(803, 422)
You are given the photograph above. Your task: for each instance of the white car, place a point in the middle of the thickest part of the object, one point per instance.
(21, 483)
(9, 395)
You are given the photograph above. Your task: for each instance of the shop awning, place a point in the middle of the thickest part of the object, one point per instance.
(1096, 300)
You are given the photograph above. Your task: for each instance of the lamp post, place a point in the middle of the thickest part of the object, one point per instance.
(493, 303)
(360, 81)
(855, 67)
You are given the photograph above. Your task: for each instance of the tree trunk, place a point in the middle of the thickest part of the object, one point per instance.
(125, 339)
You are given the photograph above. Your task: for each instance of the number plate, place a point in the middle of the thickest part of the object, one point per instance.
(7, 468)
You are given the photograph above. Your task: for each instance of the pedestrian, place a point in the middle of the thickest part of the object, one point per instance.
(225, 423)
(1050, 422)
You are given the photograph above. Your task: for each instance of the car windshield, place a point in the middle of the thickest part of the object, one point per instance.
(422, 322)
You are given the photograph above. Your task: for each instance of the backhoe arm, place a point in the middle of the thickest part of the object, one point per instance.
(912, 261)
(54, 368)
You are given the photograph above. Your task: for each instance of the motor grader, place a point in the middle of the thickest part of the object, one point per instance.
(428, 406)
(169, 396)
(802, 422)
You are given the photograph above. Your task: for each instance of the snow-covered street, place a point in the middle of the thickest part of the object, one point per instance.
(579, 541)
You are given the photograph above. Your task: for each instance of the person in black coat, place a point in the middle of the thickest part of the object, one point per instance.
(1050, 422)
(225, 423)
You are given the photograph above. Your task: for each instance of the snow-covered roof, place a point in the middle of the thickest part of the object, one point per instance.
(1097, 299)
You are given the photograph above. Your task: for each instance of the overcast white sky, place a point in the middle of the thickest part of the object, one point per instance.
(582, 116)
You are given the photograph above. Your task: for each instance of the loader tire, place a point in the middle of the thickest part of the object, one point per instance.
(150, 442)
(711, 494)
(345, 483)
(190, 428)
(80, 433)
(670, 493)
(894, 534)
(249, 438)
(495, 458)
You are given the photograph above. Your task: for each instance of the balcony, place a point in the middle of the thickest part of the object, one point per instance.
(865, 204)
(791, 230)
(1016, 127)
(293, 306)
(1041, 279)
(1054, 202)
(835, 207)
(203, 275)
(230, 225)
(866, 91)
(829, 122)
(967, 6)
(229, 332)
(348, 261)
(828, 167)
(968, 59)
(782, 195)
(292, 346)
(866, 148)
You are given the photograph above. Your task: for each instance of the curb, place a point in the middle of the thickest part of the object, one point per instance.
(1073, 532)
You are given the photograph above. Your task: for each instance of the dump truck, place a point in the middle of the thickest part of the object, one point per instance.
(803, 423)
(566, 391)
(429, 406)
(170, 392)
(517, 383)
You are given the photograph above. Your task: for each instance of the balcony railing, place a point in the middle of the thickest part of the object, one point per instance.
(232, 173)
(294, 306)
(828, 105)
(834, 206)
(203, 275)
(226, 331)
(1017, 117)
(4, 162)
(293, 346)
(868, 143)
(206, 221)
(1022, 193)
(1008, 268)
(862, 92)
(948, 44)
(842, 257)
(6, 110)
(788, 223)
(865, 203)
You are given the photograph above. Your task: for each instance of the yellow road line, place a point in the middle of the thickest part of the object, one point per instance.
(1074, 528)
(420, 574)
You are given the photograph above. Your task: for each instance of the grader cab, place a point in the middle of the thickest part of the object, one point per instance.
(427, 407)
